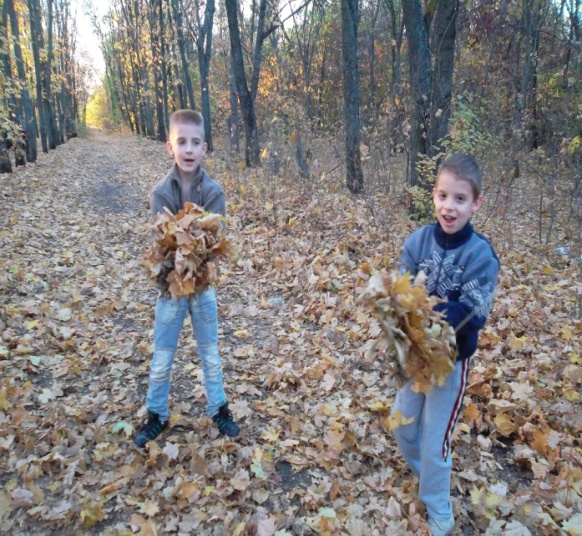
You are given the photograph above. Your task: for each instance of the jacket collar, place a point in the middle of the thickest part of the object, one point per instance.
(447, 241)
(175, 175)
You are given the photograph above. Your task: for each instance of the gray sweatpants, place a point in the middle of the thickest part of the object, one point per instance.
(425, 443)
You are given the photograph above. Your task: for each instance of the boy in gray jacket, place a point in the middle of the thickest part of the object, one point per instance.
(186, 181)
(461, 266)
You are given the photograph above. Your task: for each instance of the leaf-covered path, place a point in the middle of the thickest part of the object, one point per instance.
(316, 455)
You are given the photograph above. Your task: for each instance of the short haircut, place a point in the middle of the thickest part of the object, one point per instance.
(464, 167)
(188, 117)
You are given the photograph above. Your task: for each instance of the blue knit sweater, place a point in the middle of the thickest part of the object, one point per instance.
(461, 267)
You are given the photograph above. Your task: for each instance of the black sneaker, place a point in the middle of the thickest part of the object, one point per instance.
(223, 420)
(150, 430)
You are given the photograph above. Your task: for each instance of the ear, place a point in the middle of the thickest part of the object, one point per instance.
(170, 150)
(477, 204)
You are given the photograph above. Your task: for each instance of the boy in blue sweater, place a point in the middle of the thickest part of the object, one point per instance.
(186, 181)
(461, 266)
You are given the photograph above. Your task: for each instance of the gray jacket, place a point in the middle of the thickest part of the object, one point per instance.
(205, 192)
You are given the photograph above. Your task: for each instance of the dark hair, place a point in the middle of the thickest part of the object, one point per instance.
(190, 117)
(464, 167)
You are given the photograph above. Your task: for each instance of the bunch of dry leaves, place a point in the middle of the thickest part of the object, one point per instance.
(182, 259)
(415, 341)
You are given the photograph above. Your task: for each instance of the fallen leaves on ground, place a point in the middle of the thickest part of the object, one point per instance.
(316, 455)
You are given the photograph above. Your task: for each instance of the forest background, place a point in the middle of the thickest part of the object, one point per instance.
(325, 122)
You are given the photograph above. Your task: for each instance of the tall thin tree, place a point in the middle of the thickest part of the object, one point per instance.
(354, 172)
(247, 103)
(430, 83)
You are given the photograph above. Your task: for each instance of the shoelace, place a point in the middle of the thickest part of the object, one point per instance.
(223, 417)
(154, 427)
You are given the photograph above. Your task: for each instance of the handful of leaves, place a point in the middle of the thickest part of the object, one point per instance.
(423, 342)
(182, 259)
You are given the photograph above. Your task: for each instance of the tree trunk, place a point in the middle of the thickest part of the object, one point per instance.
(252, 149)
(177, 11)
(232, 122)
(430, 87)
(5, 163)
(164, 67)
(354, 172)
(156, 39)
(443, 50)
(373, 100)
(7, 130)
(52, 127)
(204, 47)
(37, 44)
(27, 106)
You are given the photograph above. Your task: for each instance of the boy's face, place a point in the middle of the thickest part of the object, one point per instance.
(187, 147)
(454, 202)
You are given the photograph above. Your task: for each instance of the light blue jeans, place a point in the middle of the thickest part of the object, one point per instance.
(170, 315)
(425, 442)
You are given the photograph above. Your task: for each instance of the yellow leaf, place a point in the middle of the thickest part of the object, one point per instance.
(540, 442)
(241, 333)
(269, 205)
(517, 343)
(547, 270)
(398, 419)
(243, 189)
(476, 495)
(493, 500)
(264, 153)
(239, 529)
(571, 395)
(270, 435)
(504, 424)
(241, 166)
(4, 404)
(471, 413)
(402, 285)
(92, 515)
(377, 406)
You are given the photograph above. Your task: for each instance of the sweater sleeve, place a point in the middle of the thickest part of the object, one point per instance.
(216, 202)
(476, 298)
(408, 262)
(158, 202)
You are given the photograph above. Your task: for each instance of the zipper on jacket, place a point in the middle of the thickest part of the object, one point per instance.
(438, 279)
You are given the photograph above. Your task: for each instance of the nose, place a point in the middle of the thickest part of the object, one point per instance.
(448, 204)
